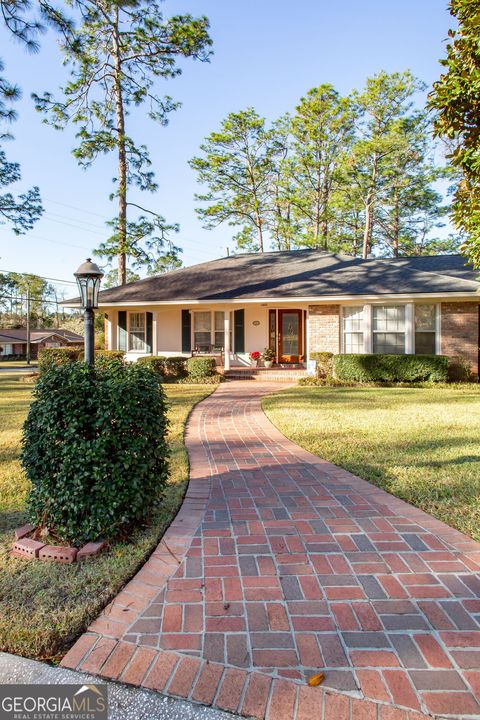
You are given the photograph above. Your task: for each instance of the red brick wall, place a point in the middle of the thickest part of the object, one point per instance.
(324, 328)
(459, 331)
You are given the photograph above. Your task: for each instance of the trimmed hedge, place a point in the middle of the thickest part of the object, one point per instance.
(175, 368)
(94, 449)
(201, 367)
(155, 362)
(110, 354)
(391, 368)
(50, 357)
(324, 362)
(170, 368)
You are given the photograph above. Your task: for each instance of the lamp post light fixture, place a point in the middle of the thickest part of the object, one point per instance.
(88, 278)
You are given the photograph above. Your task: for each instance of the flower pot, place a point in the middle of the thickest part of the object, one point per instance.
(268, 363)
(254, 363)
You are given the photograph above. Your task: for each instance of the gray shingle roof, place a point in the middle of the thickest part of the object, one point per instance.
(301, 273)
(19, 335)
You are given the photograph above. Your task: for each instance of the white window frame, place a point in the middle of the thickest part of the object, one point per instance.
(344, 332)
(368, 331)
(129, 334)
(212, 327)
(438, 321)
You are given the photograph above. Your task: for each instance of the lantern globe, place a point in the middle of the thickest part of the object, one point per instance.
(89, 277)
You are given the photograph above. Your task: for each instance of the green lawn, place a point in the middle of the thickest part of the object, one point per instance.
(420, 444)
(43, 606)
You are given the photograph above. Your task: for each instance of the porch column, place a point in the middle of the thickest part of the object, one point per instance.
(227, 339)
(111, 320)
(154, 334)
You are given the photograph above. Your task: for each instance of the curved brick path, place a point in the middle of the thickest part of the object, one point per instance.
(280, 564)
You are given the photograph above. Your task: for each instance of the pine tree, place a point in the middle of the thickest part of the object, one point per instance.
(237, 166)
(115, 56)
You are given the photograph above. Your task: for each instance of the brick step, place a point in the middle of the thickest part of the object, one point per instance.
(266, 374)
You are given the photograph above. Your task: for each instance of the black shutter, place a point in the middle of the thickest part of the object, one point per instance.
(186, 331)
(149, 332)
(122, 331)
(239, 331)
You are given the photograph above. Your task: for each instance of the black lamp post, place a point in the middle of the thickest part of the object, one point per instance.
(88, 278)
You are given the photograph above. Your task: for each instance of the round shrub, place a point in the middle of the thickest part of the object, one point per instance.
(48, 357)
(155, 362)
(94, 449)
(175, 368)
(201, 367)
(110, 354)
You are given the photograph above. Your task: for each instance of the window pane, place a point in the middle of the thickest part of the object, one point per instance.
(389, 318)
(219, 329)
(137, 331)
(353, 319)
(425, 316)
(389, 343)
(202, 330)
(425, 343)
(353, 343)
(290, 333)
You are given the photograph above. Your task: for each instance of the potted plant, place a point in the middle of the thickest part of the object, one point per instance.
(268, 357)
(254, 358)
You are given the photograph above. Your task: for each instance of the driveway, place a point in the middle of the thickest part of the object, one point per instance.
(279, 566)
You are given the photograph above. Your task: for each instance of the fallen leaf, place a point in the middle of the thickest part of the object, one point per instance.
(316, 680)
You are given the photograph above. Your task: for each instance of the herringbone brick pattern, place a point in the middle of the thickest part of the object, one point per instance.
(280, 565)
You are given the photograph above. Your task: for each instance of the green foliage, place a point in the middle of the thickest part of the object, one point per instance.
(49, 357)
(459, 370)
(175, 368)
(202, 380)
(94, 449)
(237, 166)
(324, 360)
(155, 362)
(201, 367)
(170, 368)
(268, 354)
(345, 174)
(391, 368)
(456, 100)
(115, 56)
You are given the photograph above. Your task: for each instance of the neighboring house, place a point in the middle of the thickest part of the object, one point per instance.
(14, 342)
(297, 303)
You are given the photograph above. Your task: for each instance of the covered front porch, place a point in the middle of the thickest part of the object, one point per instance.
(229, 332)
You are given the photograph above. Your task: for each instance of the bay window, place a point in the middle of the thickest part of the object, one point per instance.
(425, 329)
(137, 332)
(353, 329)
(388, 329)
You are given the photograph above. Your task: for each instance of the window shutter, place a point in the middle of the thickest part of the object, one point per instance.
(149, 332)
(122, 331)
(239, 331)
(186, 331)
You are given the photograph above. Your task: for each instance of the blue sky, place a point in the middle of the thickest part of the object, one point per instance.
(267, 54)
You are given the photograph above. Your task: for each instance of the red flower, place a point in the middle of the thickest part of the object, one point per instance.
(254, 355)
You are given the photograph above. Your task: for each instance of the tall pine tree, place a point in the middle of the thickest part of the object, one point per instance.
(115, 56)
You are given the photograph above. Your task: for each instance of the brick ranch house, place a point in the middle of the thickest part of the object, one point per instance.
(14, 341)
(297, 303)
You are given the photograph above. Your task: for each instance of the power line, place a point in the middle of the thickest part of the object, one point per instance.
(60, 282)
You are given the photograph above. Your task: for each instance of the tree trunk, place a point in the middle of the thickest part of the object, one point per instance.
(396, 226)
(369, 207)
(122, 157)
(259, 233)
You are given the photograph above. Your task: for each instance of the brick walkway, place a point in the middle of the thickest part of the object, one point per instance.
(280, 565)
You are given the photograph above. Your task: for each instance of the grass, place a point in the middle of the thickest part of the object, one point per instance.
(420, 444)
(43, 606)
